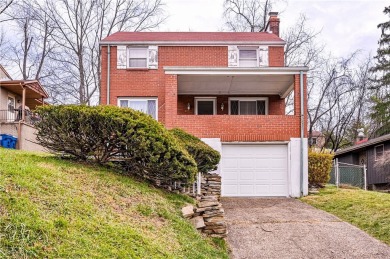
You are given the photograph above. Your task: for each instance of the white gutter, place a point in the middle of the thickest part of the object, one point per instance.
(302, 129)
(256, 143)
(108, 73)
(194, 43)
(234, 71)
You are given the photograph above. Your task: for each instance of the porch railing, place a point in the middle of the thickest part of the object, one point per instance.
(16, 115)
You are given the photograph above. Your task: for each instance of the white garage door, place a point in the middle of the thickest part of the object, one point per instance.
(254, 170)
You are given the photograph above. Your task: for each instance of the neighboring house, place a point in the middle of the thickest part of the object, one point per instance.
(227, 88)
(370, 153)
(18, 99)
(317, 139)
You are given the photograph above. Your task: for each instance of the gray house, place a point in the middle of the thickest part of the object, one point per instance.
(370, 153)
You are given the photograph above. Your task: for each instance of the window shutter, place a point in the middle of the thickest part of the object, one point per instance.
(153, 57)
(263, 56)
(233, 56)
(121, 57)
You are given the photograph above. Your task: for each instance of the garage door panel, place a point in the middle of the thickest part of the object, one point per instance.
(246, 189)
(262, 189)
(228, 176)
(246, 176)
(254, 170)
(230, 189)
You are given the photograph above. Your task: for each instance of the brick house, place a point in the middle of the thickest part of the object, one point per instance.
(227, 88)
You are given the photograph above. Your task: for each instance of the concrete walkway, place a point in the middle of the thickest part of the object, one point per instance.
(288, 228)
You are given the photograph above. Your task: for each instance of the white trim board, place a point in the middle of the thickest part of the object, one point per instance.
(195, 43)
(234, 71)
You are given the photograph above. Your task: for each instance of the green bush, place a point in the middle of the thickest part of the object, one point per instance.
(132, 140)
(205, 157)
(320, 165)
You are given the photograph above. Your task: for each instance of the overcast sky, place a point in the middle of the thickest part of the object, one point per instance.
(345, 25)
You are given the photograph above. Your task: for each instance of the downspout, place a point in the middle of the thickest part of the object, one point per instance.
(108, 73)
(302, 128)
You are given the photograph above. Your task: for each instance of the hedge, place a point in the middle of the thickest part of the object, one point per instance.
(320, 165)
(130, 139)
(205, 157)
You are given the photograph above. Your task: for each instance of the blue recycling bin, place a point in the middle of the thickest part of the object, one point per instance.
(8, 141)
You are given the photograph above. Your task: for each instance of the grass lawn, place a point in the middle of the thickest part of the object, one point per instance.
(367, 210)
(61, 209)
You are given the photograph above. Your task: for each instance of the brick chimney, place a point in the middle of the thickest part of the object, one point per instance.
(273, 23)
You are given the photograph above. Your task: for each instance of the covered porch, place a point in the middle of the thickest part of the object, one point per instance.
(19, 99)
(239, 104)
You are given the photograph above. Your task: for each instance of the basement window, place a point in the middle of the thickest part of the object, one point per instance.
(248, 106)
(205, 105)
(137, 57)
(145, 105)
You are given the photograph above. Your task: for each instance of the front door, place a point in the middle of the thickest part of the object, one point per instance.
(11, 108)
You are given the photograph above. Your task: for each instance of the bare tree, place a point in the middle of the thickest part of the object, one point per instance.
(4, 5)
(34, 45)
(78, 28)
(247, 15)
(343, 98)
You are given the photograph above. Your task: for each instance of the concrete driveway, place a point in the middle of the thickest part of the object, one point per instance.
(288, 228)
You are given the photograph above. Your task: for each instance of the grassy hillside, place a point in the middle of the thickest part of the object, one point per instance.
(61, 209)
(367, 210)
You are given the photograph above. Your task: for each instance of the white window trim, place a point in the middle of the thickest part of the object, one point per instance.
(248, 99)
(383, 151)
(249, 48)
(139, 99)
(213, 99)
(137, 47)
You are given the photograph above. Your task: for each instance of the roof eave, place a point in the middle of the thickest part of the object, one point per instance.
(234, 70)
(194, 43)
(364, 145)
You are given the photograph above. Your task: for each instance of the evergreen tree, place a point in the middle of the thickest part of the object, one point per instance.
(381, 109)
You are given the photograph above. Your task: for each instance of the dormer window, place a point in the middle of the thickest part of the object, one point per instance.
(248, 57)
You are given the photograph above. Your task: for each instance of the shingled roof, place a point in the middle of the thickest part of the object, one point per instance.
(191, 37)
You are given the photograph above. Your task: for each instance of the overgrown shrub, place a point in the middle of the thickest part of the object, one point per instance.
(133, 140)
(320, 165)
(205, 157)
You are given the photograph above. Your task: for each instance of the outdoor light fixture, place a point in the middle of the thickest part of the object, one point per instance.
(188, 106)
(222, 106)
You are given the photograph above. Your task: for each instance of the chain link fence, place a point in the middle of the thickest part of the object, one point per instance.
(348, 174)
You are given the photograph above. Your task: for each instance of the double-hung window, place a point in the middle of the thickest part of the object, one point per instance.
(248, 57)
(146, 105)
(137, 57)
(248, 106)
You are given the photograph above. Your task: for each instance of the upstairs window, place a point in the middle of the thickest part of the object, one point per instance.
(248, 106)
(137, 57)
(248, 57)
(145, 105)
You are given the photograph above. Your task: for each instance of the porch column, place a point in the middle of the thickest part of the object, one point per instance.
(170, 100)
(297, 102)
(23, 103)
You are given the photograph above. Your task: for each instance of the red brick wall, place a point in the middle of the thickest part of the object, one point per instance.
(241, 128)
(276, 106)
(276, 56)
(155, 83)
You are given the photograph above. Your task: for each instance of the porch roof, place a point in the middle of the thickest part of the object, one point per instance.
(34, 90)
(236, 81)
